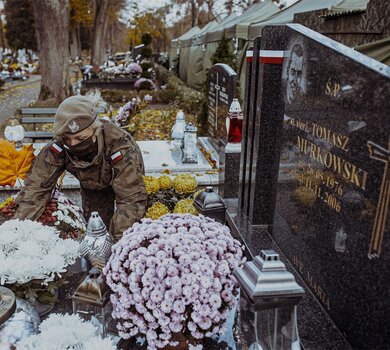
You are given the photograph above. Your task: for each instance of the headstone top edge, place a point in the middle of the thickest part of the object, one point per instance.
(349, 52)
(227, 68)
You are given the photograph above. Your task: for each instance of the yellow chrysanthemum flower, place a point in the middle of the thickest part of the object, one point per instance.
(151, 184)
(185, 183)
(185, 206)
(156, 211)
(165, 182)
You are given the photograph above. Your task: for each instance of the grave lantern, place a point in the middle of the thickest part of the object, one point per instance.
(14, 132)
(209, 203)
(234, 122)
(268, 304)
(91, 300)
(177, 132)
(190, 144)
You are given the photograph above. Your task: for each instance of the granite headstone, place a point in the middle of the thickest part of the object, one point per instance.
(247, 144)
(323, 128)
(222, 90)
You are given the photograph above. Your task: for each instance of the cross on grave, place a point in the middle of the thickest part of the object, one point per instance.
(383, 155)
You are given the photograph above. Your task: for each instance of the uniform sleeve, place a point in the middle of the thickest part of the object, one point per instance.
(130, 193)
(43, 175)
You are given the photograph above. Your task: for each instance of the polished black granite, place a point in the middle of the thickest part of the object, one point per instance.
(231, 175)
(320, 176)
(247, 143)
(316, 329)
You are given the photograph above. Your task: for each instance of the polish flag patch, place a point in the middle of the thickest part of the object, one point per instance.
(272, 56)
(249, 56)
(116, 157)
(55, 148)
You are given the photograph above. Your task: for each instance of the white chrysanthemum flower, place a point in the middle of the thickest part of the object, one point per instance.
(98, 343)
(59, 332)
(36, 252)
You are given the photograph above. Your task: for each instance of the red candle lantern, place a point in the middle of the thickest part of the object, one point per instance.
(234, 122)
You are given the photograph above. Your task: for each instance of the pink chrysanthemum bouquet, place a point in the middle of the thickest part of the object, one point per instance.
(173, 275)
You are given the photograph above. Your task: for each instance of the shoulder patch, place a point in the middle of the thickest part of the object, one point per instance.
(56, 149)
(116, 157)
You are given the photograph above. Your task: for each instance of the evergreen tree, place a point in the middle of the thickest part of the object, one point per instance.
(224, 53)
(20, 28)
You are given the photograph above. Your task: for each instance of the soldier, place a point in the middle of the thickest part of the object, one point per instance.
(104, 158)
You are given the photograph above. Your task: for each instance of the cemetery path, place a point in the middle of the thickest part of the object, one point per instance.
(17, 94)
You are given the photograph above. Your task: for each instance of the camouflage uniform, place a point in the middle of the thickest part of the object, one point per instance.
(115, 174)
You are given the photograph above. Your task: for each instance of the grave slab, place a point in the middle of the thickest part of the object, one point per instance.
(159, 156)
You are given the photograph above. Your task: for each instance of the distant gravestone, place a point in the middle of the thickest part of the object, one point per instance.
(222, 90)
(322, 148)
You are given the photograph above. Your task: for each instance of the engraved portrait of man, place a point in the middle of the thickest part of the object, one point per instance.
(295, 73)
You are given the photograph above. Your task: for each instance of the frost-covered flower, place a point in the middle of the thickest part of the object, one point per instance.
(59, 332)
(69, 216)
(177, 278)
(35, 252)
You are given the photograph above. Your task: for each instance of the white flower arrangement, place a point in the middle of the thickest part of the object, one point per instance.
(31, 251)
(62, 332)
(70, 214)
(173, 275)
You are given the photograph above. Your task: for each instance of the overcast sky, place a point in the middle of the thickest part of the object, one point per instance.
(144, 5)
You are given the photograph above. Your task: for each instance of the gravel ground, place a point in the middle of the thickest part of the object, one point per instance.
(17, 94)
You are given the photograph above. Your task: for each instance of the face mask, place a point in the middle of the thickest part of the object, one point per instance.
(84, 148)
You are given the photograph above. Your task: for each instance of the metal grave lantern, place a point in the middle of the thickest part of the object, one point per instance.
(190, 144)
(18, 319)
(177, 131)
(209, 203)
(268, 304)
(91, 300)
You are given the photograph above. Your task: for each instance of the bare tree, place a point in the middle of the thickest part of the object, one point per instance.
(52, 31)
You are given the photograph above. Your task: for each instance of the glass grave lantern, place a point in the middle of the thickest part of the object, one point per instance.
(91, 300)
(189, 147)
(269, 296)
(234, 122)
(209, 203)
(14, 132)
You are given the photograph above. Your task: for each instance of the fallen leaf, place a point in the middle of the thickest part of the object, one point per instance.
(165, 171)
(14, 164)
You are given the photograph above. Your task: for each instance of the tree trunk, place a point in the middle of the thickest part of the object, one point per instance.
(2, 39)
(74, 50)
(99, 31)
(52, 23)
(79, 53)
